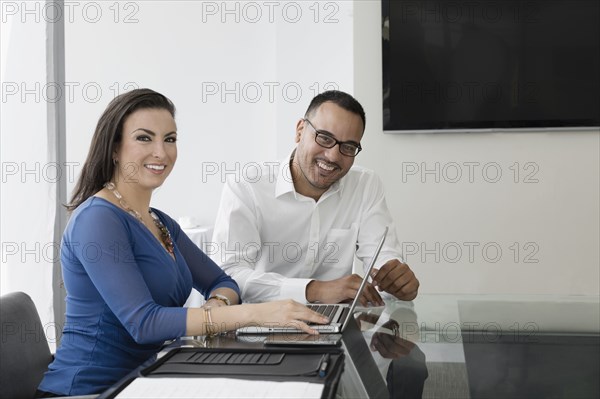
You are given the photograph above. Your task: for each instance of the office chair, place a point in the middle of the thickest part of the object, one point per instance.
(24, 351)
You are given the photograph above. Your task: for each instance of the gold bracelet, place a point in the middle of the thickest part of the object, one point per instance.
(221, 298)
(208, 322)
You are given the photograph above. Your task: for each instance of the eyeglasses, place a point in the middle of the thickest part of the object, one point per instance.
(324, 139)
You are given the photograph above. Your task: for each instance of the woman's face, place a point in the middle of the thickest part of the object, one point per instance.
(148, 148)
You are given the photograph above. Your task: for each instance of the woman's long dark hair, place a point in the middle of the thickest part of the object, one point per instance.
(99, 167)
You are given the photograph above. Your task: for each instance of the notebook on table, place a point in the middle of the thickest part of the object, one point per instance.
(229, 372)
(339, 314)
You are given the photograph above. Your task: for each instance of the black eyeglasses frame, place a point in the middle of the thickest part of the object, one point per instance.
(335, 141)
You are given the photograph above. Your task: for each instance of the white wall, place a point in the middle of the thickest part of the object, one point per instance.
(269, 59)
(167, 47)
(550, 208)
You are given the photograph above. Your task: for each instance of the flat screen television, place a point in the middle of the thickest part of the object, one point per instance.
(490, 65)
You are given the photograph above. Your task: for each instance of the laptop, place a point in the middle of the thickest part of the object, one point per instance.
(339, 314)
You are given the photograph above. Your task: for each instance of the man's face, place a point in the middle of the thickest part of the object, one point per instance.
(315, 168)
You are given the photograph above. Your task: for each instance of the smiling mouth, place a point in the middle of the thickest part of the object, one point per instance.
(327, 167)
(157, 168)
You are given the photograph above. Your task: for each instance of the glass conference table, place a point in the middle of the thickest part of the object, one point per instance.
(465, 346)
(476, 346)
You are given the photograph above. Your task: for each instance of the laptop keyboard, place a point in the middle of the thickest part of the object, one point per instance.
(325, 310)
(329, 311)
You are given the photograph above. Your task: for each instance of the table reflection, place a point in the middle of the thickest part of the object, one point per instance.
(393, 335)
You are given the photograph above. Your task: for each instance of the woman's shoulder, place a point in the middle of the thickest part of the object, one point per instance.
(99, 224)
(96, 206)
(95, 212)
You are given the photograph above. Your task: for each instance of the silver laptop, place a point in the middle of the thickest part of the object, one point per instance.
(338, 314)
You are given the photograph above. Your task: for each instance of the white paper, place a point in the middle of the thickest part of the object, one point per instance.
(184, 388)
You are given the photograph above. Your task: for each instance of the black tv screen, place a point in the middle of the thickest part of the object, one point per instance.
(461, 65)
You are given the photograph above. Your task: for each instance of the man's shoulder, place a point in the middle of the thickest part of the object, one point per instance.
(260, 179)
(362, 170)
(360, 174)
(256, 172)
(362, 180)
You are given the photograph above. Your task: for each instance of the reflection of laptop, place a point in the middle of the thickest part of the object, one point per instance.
(338, 314)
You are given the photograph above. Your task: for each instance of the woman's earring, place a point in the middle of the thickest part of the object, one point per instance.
(114, 161)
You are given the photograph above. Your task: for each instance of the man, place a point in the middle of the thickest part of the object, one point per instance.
(293, 230)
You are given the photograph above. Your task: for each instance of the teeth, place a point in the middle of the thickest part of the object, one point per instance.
(156, 167)
(323, 165)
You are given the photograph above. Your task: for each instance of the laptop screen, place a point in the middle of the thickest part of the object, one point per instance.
(366, 278)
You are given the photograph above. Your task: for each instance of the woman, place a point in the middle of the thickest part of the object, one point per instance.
(128, 268)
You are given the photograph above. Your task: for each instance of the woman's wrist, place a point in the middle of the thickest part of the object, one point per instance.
(222, 300)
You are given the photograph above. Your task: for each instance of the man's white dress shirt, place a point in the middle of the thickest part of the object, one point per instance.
(274, 241)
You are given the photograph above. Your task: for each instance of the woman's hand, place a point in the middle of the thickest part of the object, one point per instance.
(285, 313)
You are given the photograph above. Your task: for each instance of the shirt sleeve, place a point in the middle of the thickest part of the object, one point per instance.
(206, 275)
(237, 242)
(102, 243)
(375, 217)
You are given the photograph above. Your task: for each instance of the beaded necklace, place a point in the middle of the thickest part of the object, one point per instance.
(164, 232)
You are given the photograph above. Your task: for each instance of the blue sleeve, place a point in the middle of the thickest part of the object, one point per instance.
(102, 242)
(207, 276)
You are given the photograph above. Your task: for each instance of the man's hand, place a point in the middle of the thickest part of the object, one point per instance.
(396, 278)
(390, 346)
(341, 290)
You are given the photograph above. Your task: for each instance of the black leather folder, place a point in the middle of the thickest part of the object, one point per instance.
(272, 364)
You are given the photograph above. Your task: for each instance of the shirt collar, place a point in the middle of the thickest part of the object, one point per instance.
(285, 184)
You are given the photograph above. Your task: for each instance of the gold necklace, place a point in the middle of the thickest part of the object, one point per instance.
(165, 235)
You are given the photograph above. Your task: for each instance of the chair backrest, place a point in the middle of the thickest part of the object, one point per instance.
(24, 351)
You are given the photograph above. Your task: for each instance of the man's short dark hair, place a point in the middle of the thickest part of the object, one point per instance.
(343, 100)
